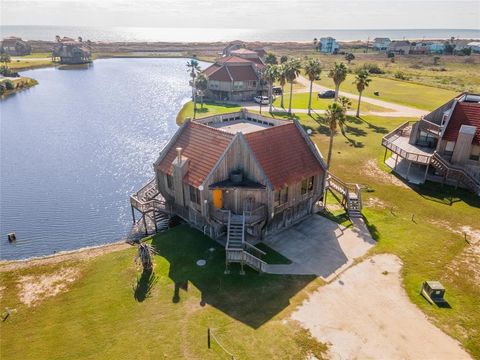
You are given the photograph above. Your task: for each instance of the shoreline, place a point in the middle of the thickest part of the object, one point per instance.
(83, 253)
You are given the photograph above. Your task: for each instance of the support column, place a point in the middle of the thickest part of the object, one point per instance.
(396, 161)
(145, 224)
(155, 221)
(408, 170)
(133, 213)
(385, 156)
(426, 173)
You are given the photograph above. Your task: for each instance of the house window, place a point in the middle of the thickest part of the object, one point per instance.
(307, 185)
(214, 84)
(281, 196)
(427, 139)
(449, 147)
(475, 155)
(169, 181)
(238, 85)
(194, 195)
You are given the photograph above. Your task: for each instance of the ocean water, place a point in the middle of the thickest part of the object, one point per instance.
(74, 147)
(125, 34)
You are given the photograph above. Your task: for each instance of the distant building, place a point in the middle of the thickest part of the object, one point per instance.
(70, 51)
(381, 44)
(475, 46)
(419, 48)
(235, 77)
(399, 47)
(15, 46)
(328, 45)
(436, 47)
(234, 45)
(442, 146)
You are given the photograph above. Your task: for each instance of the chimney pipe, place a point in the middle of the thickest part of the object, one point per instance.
(179, 154)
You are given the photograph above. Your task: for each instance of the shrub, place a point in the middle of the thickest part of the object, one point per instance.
(401, 75)
(2, 89)
(9, 85)
(372, 68)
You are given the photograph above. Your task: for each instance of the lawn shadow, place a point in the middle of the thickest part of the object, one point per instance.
(252, 298)
(375, 128)
(144, 285)
(445, 194)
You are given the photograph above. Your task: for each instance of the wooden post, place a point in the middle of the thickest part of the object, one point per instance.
(426, 173)
(396, 160)
(155, 221)
(208, 338)
(385, 156)
(145, 224)
(133, 214)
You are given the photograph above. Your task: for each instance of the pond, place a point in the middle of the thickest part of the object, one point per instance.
(74, 147)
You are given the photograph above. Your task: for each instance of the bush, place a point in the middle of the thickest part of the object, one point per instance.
(401, 75)
(9, 85)
(372, 68)
(5, 71)
(2, 89)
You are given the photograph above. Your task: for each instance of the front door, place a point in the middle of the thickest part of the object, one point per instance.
(217, 198)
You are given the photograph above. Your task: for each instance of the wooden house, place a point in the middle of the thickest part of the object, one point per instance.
(15, 46)
(237, 177)
(70, 51)
(235, 77)
(442, 146)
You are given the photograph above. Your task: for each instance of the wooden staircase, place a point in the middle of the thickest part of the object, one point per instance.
(350, 193)
(237, 249)
(451, 172)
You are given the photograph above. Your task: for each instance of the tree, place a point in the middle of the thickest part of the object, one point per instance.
(271, 59)
(338, 74)
(349, 57)
(282, 79)
(345, 103)
(313, 69)
(292, 71)
(362, 80)
(193, 68)
(315, 43)
(334, 115)
(57, 38)
(283, 59)
(5, 59)
(201, 84)
(270, 75)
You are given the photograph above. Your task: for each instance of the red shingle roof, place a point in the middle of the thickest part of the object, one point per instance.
(283, 154)
(203, 146)
(464, 114)
(220, 74)
(211, 69)
(242, 73)
(243, 51)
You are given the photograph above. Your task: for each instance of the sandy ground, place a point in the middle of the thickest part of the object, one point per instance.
(366, 314)
(80, 254)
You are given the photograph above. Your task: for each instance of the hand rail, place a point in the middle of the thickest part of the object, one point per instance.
(423, 159)
(228, 230)
(460, 171)
(254, 248)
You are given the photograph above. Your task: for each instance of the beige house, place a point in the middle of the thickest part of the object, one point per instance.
(442, 146)
(15, 46)
(70, 51)
(237, 177)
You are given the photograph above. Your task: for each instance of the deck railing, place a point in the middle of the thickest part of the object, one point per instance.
(257, 215)
(401, 131)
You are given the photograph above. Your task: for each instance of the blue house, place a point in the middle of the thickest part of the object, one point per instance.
(436, 47)
(328, 45)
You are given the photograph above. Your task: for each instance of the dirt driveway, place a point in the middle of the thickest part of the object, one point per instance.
(366, 314)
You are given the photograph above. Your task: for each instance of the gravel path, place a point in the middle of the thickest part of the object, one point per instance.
(366, 314)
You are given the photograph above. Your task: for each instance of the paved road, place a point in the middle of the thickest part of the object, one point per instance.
(398, 110)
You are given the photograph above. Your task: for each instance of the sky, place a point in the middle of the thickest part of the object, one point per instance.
(265, 14)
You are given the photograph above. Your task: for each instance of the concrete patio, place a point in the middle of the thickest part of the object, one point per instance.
(318, 246)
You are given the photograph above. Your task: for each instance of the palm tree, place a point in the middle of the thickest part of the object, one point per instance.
(362, 80)
(313, 69)
(315, 43)
(345, 103)
(338, 73)
(271, 58)
(201, 84)
(335, 114)
(282, 79)
(270, 74)
(292, 71)
(193, 68)
(144, 255)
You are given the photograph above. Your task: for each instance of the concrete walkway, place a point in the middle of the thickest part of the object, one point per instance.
(318, 246)
(400, 110)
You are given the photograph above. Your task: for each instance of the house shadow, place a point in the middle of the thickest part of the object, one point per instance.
(445, 194)
(252, 298)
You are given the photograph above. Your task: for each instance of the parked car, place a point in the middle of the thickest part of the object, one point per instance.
(329, 94)
(277, 90)
(261, 100)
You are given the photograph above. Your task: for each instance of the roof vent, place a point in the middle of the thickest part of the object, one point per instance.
(236, 176)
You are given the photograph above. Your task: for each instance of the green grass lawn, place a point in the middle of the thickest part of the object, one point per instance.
(300, 101)
(209, 109)
(399, 92)
(113, 311)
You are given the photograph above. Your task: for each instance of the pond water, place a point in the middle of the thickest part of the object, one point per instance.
(74, 147)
